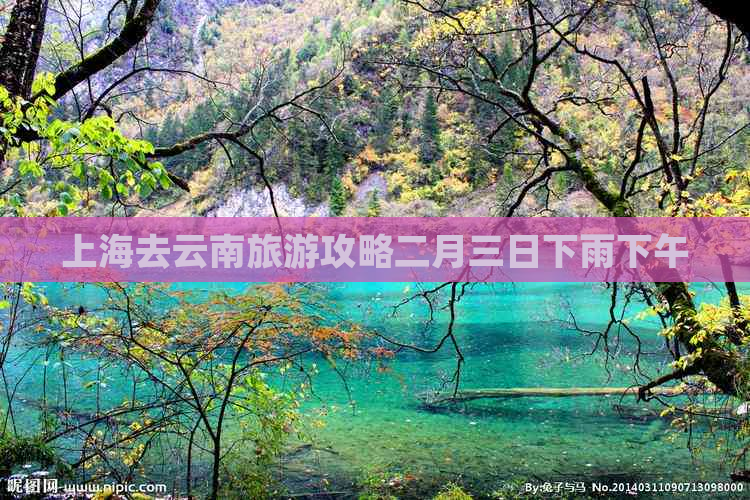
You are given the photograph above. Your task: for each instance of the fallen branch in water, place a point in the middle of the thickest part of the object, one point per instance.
(432, 399)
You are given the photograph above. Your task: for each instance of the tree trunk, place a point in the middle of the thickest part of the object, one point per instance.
(216, 468)
(21, 45)
(732, 12)
(720, 366)
(20, 50)
(189, 471)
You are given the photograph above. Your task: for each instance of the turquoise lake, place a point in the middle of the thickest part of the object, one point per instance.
(511, 336)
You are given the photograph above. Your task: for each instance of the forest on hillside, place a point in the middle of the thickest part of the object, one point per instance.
(370, 108)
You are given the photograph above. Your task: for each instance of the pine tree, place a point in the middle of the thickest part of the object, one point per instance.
(302, 155)
(169, 133)
(200, 120)
(337, 202)
(429, 150)
(386, 113)
(333, 160)
(373, 206)
(151, 134)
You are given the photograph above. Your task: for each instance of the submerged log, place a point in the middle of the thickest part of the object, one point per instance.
(433, 399)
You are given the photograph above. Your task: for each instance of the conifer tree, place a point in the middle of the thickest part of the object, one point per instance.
(169, 132)
(386, 114)
(304, 162)
(429, 150)
(373, 205)
(337, 202)
(333, 160)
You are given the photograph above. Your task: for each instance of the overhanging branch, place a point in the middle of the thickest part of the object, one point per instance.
(132, 33)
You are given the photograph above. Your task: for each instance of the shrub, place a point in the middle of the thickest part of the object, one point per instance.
(16, 451)
(453, 492)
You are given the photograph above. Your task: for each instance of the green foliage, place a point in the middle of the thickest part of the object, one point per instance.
(74, 160)
(304, 161)
(209, 32)
(200, 120)
(386, 112)
(374, 486)
(169, 132)
(508, 173)
(453, 492)
(562, 182)
(366, 107)
(503, 140)
(308, 50)
(334, 159)
(268, 418)
(16, 451)
(373, 204)
(337, 203)
(167, 23)
(429, 140)
(213, 352)
(337, 30)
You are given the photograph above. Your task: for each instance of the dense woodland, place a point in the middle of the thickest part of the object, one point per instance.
(350, 108)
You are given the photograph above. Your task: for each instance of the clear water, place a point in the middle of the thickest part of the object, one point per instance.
(511, 336)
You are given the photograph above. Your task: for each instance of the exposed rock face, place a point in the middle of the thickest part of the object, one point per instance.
(374, 182)
(577, 204)
(257, 203)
